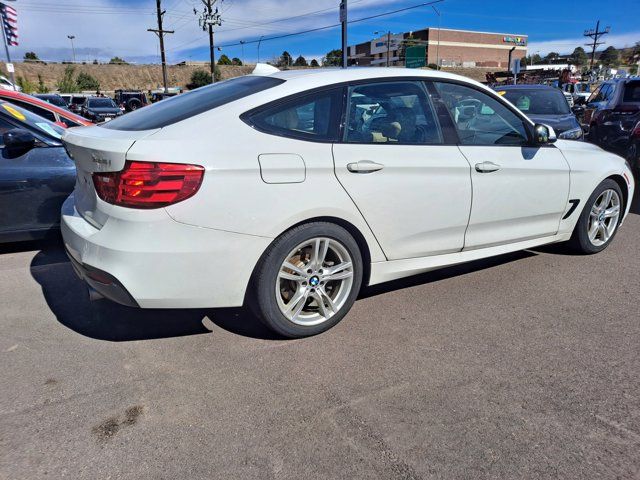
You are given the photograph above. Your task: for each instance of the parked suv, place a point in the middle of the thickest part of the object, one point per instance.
(612, 111)
(100, 109)
(130, 99)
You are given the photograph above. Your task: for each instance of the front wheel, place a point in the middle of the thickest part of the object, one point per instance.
(308, 280)
(599, 221)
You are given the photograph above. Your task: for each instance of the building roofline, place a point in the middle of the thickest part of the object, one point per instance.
(473, 31)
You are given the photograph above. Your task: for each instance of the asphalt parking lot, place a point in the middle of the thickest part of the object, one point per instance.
(522, 366)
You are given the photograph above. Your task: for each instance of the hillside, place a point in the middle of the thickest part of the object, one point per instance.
(111, 77)
(149, 77)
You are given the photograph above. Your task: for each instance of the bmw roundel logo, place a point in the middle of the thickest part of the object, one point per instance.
(314, 281)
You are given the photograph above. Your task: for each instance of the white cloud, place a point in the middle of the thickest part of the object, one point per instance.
(567, 45)
(102, 34)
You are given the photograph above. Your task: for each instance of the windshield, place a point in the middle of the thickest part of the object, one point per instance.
(538, 101)
(101, 103)
(583, 88)
(77, 100)
(180, 107)
(53, 100)
(35, 121)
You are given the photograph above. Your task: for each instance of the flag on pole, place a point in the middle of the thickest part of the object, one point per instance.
(10, 23)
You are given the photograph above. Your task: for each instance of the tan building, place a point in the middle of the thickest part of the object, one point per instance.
(444, 47)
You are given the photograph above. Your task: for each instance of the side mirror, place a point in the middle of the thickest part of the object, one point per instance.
(18, 141)
(543, 134)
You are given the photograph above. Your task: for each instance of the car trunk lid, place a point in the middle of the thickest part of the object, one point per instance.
(97, 149)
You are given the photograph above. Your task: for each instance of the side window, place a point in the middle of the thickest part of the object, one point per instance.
(610, 93)
(480, 119)
(37, 110)
(595, 95)
(391, 112)
(313, 117)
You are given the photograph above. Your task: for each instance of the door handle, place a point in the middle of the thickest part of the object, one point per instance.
(487, 167)
(364, 166)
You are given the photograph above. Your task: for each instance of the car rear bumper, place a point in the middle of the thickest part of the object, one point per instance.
(161, 263)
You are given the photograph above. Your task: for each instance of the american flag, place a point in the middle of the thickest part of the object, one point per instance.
(10, 23)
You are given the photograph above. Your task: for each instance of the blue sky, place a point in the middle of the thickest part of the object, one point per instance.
(104, 28)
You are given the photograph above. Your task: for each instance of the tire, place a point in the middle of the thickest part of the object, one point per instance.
(316, 285)
(134, 104)
(596, 213)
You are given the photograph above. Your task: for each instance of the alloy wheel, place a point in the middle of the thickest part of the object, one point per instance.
(604, 216)
(314, 281)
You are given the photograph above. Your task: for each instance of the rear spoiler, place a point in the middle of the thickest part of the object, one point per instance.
(264, 69)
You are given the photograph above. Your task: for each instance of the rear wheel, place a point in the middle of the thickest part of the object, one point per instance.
(308, 280)
(599, 221)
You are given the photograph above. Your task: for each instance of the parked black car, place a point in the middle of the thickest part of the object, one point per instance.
(544, 104)
(53, 99)
(100, 109)
(130, 99)
(633, 149)
(36, 174)
(611, 113)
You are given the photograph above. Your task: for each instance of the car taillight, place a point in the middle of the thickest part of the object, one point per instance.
(148, 184)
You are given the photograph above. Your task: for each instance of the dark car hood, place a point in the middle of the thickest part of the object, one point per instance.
(104, 110)
(560, 123)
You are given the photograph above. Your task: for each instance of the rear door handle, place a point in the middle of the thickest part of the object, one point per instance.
(364, 166)
(487, 167)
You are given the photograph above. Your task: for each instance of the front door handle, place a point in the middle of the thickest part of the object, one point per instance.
(487, 167)
(364, 166)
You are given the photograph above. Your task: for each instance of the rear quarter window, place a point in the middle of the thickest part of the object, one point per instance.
(180, 107)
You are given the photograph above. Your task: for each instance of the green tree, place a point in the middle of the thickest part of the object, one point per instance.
(67, 83)
(533, 59)
(26, 85)
(552, 57)
(579, 57)
(31, 56)
(42, 88)
(118, 60)
(224, 60)
(200, 78)
(314, 63)
(333, 58)
(301, 62)
(285, 60)
(610, 57)
(87, 82)
(236, 61)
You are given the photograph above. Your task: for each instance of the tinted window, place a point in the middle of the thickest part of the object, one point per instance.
(632, 92)
(538, 101)
(53, 99)
(391, 112)
(37, 110)
(192, 103)
(37, 122)
(595, 95)
(481, 119)
(78, 100)
(309, 117)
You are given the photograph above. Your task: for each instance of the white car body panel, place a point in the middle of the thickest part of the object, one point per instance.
(411, 215)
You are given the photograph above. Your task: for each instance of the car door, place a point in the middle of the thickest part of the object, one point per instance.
(595, 102)
(33, 185)
(405, 175)
(520, 191)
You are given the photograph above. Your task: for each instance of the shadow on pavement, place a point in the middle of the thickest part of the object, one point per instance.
(68, 299)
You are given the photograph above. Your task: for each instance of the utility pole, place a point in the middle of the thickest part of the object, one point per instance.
(73, 49)
(344, 20)
(595, 35)
(207, 20)
(161, 33)
(438, 47)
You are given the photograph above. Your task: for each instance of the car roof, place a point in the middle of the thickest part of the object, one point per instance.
(336, 75)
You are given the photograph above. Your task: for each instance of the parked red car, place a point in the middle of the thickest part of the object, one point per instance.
(58, 115)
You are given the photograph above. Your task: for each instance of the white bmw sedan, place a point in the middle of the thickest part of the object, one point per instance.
(290, 191)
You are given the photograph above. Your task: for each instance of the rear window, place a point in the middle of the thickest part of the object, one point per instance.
(632, 92)
(176, 109)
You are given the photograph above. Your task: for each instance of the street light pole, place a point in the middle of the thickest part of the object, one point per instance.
(259, 42)
(73, 49)
(344, 21)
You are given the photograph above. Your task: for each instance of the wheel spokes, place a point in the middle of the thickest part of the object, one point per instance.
(612, 212)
